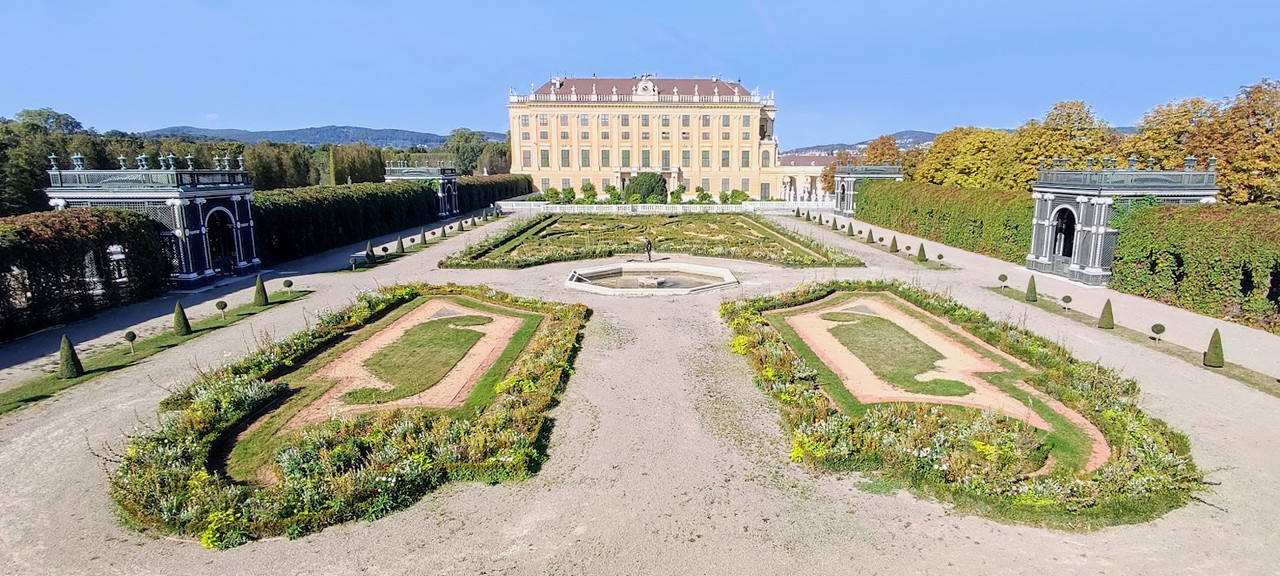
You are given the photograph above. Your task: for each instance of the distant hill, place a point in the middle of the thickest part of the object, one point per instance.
(908, 139)
(316, 136)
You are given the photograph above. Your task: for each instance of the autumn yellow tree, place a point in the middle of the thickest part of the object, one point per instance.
(1069, 130)
(964, 157)
(827, 179)
(1246, 140)
(883, 149)
(1170, 131)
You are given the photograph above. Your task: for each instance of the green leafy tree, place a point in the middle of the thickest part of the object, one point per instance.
(738, 197)
(965, 157)
(647, 184)
(495, 158)
(701, 196)
(567, 195)
(1107, 321)
(1169, 132)
(677, 195)
(551, 195)
(1213, 357)
(724, 197)
(49, 120)
(589, 194)
(466, 147)
(69, 365)
(1069, 130)
(181, 325)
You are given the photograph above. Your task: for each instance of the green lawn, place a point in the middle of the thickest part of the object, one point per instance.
(401, 363)
(895, 355)
(1068, 444)
(258, 447)
(117, 357)
(1251, 378)
(565, 237)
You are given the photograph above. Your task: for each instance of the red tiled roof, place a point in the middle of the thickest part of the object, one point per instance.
(806, 160)
(665, 86)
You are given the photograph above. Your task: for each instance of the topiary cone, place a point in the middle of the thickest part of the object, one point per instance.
(1032, 296)
(1107, 321)
(833, 224)
(181, 326)
(921, 256)
(69, 365)
(1213, 356)
(369, 256)
(893, 244)
(851, 232)
(399, 245)
(260, 297)
(871, 236)
(423, 237)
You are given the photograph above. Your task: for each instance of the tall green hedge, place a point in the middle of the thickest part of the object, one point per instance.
(55, 267)
(1217, 260)
(296, 222)
(992, 222)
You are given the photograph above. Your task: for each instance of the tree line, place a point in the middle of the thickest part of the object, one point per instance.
(1242, 132)
(27, 141)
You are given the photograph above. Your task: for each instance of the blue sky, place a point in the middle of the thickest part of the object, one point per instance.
(841, 71)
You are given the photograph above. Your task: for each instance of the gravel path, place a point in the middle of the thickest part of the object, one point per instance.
(663, 459)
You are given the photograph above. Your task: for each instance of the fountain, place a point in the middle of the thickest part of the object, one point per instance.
(649, 279)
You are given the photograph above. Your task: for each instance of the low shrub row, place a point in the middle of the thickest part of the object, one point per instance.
(1218, 260)
(349, 469)
(992, 222)
(59, 266)
(969, 460)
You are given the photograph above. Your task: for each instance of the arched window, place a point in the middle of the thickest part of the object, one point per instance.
(764, 159)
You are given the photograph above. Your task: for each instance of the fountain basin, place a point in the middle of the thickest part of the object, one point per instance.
(649, 278)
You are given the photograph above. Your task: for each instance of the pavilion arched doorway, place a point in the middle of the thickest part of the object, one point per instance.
(1064, 238)
(222, 242)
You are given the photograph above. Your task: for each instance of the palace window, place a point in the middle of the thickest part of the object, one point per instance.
(587, 135)
(764, 158)
(644, 158)
(586, 159)
(746, 158)
(564, 158)
(564, 183)
(524, 135)
(526, 158)
(644, 135)
(524, 120)
(626, 158)
(666, 120)
(666, 135)
(626, 135)
(542, 119)
(604, 183)
(746, 185)
(746, 121)
(586, 181)
(684, 135)
(564, 119)
(764, 190)
(724, 135)
(684, 158)
(706, 120)
(644, 119)
(604, 158)
(585, 120)
(724, 120)
(706, 158)
(544, 158)
(604, 135)
(684, 121)
(724, 158)
(564, 134)
(746, 135)
(543, 134)
(706, 184)
(546, 183)
(666, 159)
(706, 135)
(626, 119)
(724, 184)
(604, 119)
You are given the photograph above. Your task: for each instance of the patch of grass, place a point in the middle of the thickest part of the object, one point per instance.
(419, 359)
(257, 448)
(882, 485)
(1251, 378)
(840, 316)
(118, 357)
(895, 355)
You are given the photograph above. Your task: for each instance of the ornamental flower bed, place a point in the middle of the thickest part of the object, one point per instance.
(978, 461)
(350, 469)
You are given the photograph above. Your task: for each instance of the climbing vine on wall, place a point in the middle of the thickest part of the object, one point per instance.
(988, 221)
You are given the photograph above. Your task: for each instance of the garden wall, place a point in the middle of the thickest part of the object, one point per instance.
(1221, 261)
(59, 266)
(988, 221)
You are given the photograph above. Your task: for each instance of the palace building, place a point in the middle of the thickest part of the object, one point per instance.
(709, 133)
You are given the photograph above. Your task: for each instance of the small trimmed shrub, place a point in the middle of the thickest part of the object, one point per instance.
(369, 256)
(797, 212)
(288, 284)
(893, 245)
(1107, 321)
(221, 305)
(181, 325)
(921, 255)
(353, 264)
(385, 250)
(833, 224)
(1213, 357)
(1157, 329)
(1066, 301)
(1003, 278)
(129, 337)
(422, 236)
(69, 365)
(260, 297)
(1032, 295)
(399, 245)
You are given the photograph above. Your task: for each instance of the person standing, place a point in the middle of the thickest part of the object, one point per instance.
(648, 249)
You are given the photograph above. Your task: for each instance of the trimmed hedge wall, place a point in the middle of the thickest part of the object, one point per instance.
(1218, 260)
(296, 222)
(992, 222)
(55, 266)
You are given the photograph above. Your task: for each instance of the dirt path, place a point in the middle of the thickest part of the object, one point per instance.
(351, 374)
(663, 459)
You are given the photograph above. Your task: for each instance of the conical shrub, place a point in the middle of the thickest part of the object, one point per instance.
(399, 245)
(797, 212)
(422, 237)
(1107, 321)
(893, 245)
(921, 256)
(833, 224)
(871, 236)
(1213, 356)
(260, 297)
(369, 256)
(69, 365)
(1032, 296)
(181, 326)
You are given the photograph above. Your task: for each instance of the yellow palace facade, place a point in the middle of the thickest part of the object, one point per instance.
(708, 133)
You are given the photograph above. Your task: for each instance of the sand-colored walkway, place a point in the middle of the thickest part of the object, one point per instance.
(351, 374)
